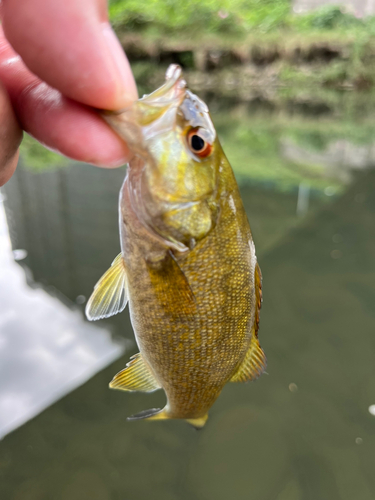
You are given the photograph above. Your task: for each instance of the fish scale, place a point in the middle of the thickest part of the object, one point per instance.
(215, 349)
(187, 264)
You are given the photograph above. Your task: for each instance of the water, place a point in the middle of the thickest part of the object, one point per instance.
(304, 430)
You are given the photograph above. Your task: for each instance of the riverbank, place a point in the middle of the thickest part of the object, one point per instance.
(260, 43)
(328, 61)
(293, 98)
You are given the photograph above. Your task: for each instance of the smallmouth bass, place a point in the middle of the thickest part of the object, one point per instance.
(187, 265)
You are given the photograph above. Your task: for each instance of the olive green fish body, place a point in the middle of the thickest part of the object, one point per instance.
(193, 353)
(187, 265)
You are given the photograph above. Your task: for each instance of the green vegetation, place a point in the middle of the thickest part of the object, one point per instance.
(302, 59)
(327, 47)
(285, 147)
(255, 140)
(37, 157)
(254, 147)
(210, 16)
(230, 17)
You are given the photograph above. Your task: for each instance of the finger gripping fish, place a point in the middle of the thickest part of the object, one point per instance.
(187, 265)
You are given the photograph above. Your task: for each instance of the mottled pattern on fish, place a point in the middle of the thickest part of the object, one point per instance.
(188, 263)
(193, 353)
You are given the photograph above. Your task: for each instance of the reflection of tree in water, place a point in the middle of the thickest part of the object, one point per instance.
(318, 310)
(263, 440)
(67, 221)
(338, 161)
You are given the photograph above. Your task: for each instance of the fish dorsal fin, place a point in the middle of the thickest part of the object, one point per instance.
(109, 296)
(253, 365)
(136, 376)
(255, 361)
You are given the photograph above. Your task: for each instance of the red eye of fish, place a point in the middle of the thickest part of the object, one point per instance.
(197, 144)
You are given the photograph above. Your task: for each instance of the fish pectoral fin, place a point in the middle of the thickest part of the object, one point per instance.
(253, 365)
(109, 296)
(172, 288)
(136, 376)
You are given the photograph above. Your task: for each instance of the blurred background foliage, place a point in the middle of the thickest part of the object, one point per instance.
(38, 157)
(194, 17)
(292, 99)
(291, 95)
(235, 17)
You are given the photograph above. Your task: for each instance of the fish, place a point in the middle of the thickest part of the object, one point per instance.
(187, 267)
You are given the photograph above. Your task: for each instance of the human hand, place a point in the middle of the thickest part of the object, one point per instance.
(58, 60)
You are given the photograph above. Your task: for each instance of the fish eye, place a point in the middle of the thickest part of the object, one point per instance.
(197, 144)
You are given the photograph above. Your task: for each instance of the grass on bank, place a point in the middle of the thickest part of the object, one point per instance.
(231, 18)
(269, 27)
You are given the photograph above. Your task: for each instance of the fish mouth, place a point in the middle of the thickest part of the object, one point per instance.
(171, 93)
(152, 115)
(159, 112)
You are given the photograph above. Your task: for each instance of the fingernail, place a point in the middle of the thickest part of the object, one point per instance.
(117, 163)
(127, 87)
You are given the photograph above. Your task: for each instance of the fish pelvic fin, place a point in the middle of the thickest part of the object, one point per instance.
(158, 414)
(137, 376)
(168, 280)
(109, 296)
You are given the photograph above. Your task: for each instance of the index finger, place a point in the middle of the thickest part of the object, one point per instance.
(71, 46)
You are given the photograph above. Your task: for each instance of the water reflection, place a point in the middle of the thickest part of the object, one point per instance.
(305, 431)
(46, 349)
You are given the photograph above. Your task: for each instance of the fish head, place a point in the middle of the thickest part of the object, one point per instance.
(174, 174)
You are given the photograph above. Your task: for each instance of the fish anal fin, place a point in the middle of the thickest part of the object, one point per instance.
(137, 376)
(109, 296)
(253, 365)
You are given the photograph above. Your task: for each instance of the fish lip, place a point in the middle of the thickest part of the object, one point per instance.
(172, 92)
(151, 115)
(158, 113)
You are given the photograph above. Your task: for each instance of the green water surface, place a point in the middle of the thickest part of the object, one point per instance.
(303, 431)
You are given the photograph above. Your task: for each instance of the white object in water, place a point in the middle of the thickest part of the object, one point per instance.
(46, 349)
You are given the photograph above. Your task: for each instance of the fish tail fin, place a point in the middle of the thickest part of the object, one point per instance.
(152, 414)
(159, 414)
(198, 423)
